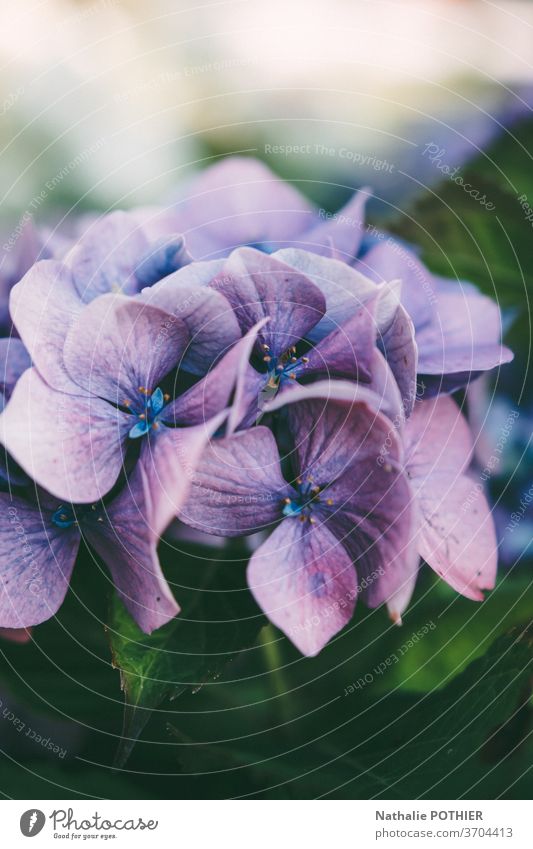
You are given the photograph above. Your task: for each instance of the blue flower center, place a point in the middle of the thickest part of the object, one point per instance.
(302, 504)
(279, 369)
(68, 515)
(146, 411)
(64, 516)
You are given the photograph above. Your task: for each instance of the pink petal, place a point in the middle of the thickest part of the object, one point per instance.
(305, 582)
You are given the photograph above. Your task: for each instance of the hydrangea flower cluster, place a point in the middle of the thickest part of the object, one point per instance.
(246, 364)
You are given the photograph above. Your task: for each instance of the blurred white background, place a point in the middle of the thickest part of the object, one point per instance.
(114, 101)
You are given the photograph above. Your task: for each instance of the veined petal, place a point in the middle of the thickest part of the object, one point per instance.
(106, 257)
(212, 394)
(401, 352)
(392, 260)
(457, 536)
(119, 344)
(347, 351)
(258, 286)
(238, 487)
(463, 339)
(437, 439)
(305, 582)
(335, 426)
(125, 535)
(252, 394)
(354, 454)
(36, 562)
(238, 201)
(343, 391)
(170, 457)
(383, 384)
(342, 231)
(345, 289)
(71, 446)
(44, 305)
(374, 519)
(208, 315)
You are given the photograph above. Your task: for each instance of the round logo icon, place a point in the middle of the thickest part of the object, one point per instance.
(32, 822)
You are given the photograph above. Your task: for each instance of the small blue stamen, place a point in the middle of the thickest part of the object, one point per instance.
(147, 416)
(293, 508)
(301, 505)
(139, 429)
(280, 369)
(157, 401)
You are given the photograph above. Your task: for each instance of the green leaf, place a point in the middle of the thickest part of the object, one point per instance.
(444, 742)
(462, 740)
(217, 621)
(460, 238)
(508, 161)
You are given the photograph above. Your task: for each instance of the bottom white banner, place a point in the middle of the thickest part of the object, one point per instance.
(245, 823)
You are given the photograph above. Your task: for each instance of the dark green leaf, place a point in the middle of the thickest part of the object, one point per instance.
(217, 621)
(461, 740)
(460, 238)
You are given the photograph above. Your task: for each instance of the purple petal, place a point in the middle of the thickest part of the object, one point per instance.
(252, 394)
(389, 299)
(374, 521)
(305, 582)
(259, 286)
(238, 487)
(437, 439)
(125, 535)
(71, 446)
(384, 385)
(14, 360)
(464, 336)
(354, 454)
(36, 562)
(238, 202)
(119, 344)
(164, 256)
(169, 457)
(107, 255)
(210, 319)
(340, 232)
(400, 349)
(212, 394)
(457, 536)
(44, 305)
(347, 351)
(332, 437)
(344, 288)
(398, 602)
(328, 421)
(391, 260)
